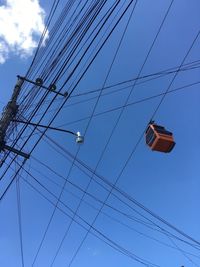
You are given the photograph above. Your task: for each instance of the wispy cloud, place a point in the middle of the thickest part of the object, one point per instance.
(21, 23)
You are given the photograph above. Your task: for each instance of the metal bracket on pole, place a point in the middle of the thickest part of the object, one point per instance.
(39, 82)
(16, 151)
(79, 137)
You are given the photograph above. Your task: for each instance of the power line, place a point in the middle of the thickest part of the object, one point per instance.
(88, 124)
(161, 74)
(163, 94)
(104, 214)
(18, 195)
(68, 97)
(127, 105)
(59, 109)
(20, 219)
(115, 126)
(162, 230)
(107, 205)
(83, 74)
(122, 193)
(105, 239)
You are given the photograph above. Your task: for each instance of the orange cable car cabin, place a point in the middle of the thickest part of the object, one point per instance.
(159, 139)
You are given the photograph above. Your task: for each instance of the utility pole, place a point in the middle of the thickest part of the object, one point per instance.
(11, 109)
(9, 113)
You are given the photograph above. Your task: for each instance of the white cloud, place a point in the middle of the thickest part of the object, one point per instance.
(21, 24)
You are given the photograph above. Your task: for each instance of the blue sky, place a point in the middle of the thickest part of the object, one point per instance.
(167, 184)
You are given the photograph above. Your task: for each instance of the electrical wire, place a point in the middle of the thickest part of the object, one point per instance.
(125, 106)
(163, 94)
(109, 242)
(20, 219)
(135, 219)
(51, 218)
(88, 124)
(71, 90)
(119, 191)
(116, 123)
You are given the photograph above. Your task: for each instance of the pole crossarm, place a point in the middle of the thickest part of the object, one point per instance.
(39, 83)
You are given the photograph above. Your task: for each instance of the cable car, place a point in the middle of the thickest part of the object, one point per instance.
(158, 138)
